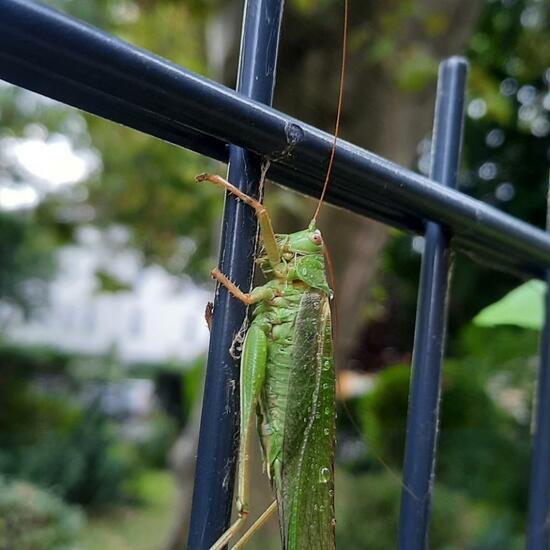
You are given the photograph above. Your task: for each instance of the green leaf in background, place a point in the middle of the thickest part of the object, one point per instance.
(523, 307)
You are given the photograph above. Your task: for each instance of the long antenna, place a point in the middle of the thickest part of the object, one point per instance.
(339, 112)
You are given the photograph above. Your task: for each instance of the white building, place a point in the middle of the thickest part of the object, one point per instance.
(160, 317)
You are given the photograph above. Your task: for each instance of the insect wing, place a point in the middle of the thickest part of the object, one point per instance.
(307, 500)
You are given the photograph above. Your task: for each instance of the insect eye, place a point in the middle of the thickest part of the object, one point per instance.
(316, 237)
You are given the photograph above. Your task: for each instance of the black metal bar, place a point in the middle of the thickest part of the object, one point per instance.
(85, 77)
(214, 478)
(47, 52)
(431, 320)
(538, 529)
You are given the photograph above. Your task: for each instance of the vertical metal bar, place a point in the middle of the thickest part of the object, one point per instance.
(214, 477)
(431, 320)
(538, 530)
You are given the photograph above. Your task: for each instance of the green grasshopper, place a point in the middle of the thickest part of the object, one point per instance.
(287, 374)
(288, 377)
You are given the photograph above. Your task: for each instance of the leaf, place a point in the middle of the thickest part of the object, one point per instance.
(523, 307)
(417, 68)
(108, 282)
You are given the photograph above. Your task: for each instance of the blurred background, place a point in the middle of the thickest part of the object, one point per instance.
(106, 244)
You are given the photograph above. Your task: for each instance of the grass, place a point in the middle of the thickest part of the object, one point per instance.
(140, 527)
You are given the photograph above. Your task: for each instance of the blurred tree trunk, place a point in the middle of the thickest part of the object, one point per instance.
(394, 51)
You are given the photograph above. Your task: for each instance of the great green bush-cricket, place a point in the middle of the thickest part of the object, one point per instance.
(287, 377)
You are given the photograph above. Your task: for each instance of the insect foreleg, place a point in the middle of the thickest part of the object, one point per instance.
(268, 235)
(253, 366)
(258, 294)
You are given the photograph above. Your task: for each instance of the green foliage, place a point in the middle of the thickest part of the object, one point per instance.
(154, 449)
(408, 58)
(474, 428)
(502, 354)
(26, 413)
(109, 283)
(367, 514)
(33, 519)
(505, 160)
(308, 7)
(50, 439)
(505, 151)
(474, 431)
(146, 184)
(522, 307)
(86, 466)
(27, 361)
(417, 69)
(500, 533)
(138, 528)
(26, 252)
(383, 413)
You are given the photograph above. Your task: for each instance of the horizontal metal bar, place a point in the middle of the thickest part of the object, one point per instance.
(29, 69)
(45, 51)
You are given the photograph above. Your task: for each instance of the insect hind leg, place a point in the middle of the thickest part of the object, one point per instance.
(253, 367)
(251, 531)
(231, 532)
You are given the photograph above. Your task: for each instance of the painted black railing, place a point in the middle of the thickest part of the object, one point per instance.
(55, 55)
(431, 321)
(213, 493)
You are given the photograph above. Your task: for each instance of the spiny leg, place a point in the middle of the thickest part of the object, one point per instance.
(232, 288)
(230, 533)
(253, 366)
(251, 531)
(258, 294)
(268, 235)
(227, 186)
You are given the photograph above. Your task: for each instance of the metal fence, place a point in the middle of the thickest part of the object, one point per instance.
(65, 59)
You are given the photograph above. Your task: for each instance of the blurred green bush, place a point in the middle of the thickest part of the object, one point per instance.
(486, 397)
(52, 436)
(27, 413)
(86, 466)
(33, 519)
(368, 516)
(153, 450)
